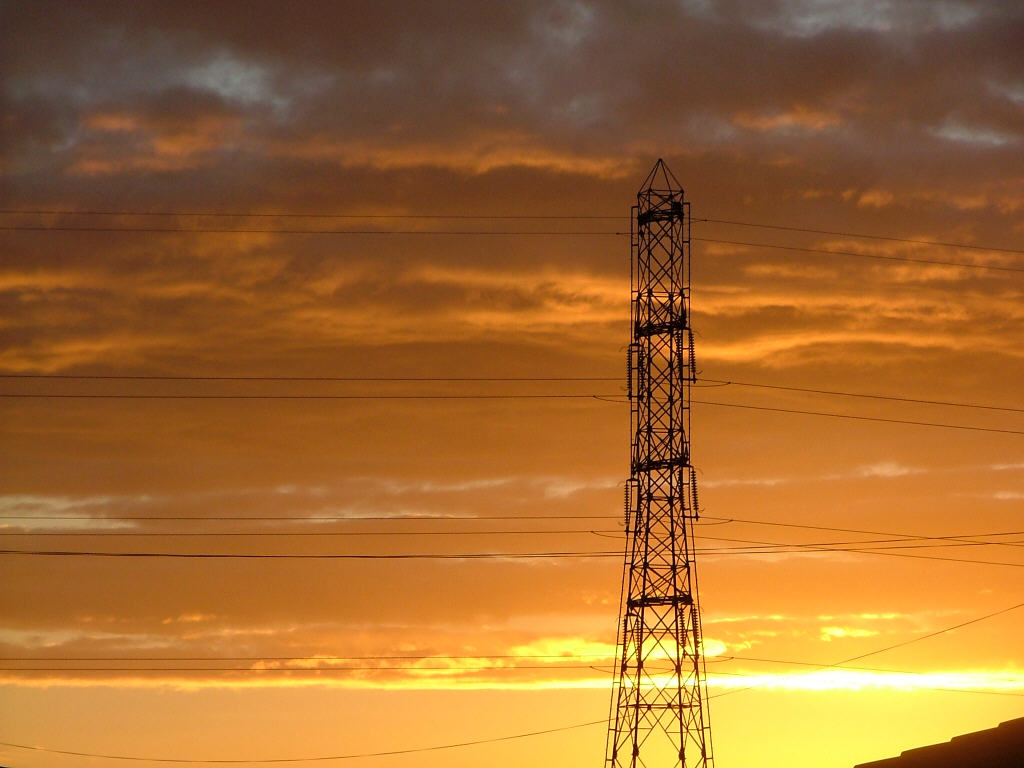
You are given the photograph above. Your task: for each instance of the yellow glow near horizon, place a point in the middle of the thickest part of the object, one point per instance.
(459, 678)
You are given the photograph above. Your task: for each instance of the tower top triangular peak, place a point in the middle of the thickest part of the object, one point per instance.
(661, 178)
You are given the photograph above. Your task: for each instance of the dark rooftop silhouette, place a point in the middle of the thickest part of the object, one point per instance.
(1000, 747)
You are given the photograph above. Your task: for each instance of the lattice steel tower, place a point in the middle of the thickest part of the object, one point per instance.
(659, 697)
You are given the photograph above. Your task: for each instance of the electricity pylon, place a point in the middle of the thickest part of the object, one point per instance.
(659, 696)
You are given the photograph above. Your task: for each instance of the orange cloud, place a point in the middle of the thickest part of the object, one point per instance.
(800, 117)
(477, 155)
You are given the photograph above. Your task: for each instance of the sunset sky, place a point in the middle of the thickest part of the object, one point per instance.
(433, 132)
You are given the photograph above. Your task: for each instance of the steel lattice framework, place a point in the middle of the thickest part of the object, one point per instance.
(659, 712)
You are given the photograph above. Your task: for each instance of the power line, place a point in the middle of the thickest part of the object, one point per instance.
(261, 670)
(282, 215)
(438, 518)
(965, 536)
(462, 379)
(796, 663)
(856, 254)
(820, 666)
(403, 657)
(795, 546)
(760, 547)
(887, 648)
(597, 555)
(352, 756)
(446, 668)
(372, 379)
(768, 549)
(951, 403)
(331, 518)
(278, 231)
(483, 233)
(320, 556)
(234, 396)
(549, 668)
(734, 223)
(601, 397)
(924, 688)
(882, 551)
(381, 658)
(165, 534)
(932, 634)
(928, 557)
(863, 418)
(487, 217)
(435, 657)
(970, 539)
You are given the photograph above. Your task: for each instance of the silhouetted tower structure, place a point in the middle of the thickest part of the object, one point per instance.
(659, 712)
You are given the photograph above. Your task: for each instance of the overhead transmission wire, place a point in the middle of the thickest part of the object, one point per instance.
(261, 670)
(281, 231)
(117, 533)
(870, 547)
(528, 734)
(756, 546)
(986, 692)
(487, 217)
(373, 657)
(481, 379)
(866, 548)
(557, 662)
(586, 396)
(868, 395)
(881, 551)
(469, 556)
(305, 396)
(759, 547)
(610, 397)
(323, 758)
(892, 647)
(159, 534)
(307, 215)
(861, 255)
(554, 666)
(476, 518)
(298, 671)
(856, 417)
(325, 518)
(319, 556)
(373, 379)
(518, 232)
(485, 233)
(404, 518)
(902, 541)
(835, 233)
(835, 529)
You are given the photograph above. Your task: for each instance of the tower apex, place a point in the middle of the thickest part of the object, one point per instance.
(661, 179)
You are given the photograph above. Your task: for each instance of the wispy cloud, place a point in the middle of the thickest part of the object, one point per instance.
(834, 633)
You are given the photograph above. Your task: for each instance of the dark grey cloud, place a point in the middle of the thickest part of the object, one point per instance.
(592, 80)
